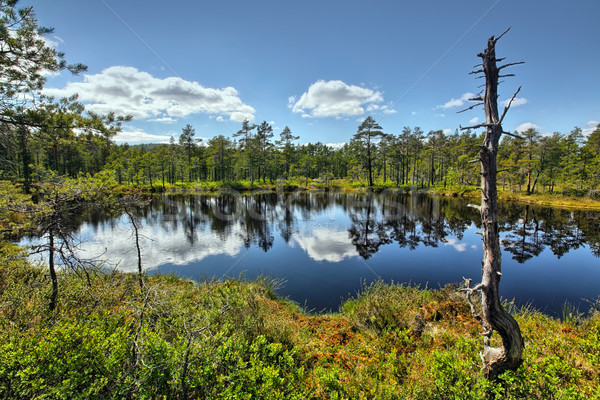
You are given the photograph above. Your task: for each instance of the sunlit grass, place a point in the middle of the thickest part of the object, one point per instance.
(236, 339)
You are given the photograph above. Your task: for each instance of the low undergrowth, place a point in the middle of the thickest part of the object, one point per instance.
(178, 339)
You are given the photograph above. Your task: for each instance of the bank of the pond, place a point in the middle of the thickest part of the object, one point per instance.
(235, 339)
(469, 192)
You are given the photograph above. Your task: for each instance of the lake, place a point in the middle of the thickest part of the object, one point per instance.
(323, 246)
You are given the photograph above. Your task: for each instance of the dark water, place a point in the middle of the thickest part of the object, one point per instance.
(325, 246)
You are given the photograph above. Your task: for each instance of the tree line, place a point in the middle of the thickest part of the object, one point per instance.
(41, 137)
(531, 162)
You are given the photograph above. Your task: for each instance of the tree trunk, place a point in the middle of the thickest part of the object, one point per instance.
(53, 277)
(509, 355)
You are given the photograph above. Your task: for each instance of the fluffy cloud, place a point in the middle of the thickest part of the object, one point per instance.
(458, 246)
(126, 90)
(527, 125)
(326, 244)
(456, 102)
(590, 126)
(336, 99)
(518, 101)
(474, 120)
(136, 136)
(336, 146)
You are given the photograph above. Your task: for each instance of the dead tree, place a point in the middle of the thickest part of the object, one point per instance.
(495, 318)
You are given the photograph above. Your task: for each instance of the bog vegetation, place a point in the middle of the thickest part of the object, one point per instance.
(172, 338)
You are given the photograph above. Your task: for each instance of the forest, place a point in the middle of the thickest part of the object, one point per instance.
(531, 163)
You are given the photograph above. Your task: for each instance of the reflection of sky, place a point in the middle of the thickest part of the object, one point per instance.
(326, 244)
(116, 245)
(458, 246)
(312, 250)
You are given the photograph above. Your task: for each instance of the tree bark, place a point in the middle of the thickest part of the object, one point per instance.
(509, 355)
(51, 266)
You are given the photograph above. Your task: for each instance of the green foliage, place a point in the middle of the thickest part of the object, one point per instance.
(229, 340)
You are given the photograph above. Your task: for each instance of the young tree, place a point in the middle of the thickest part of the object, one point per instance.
(186, 140)
(246, 161)
(287, 148)
(220, 156)
(495, 318)
(365, 136)
(263, 145)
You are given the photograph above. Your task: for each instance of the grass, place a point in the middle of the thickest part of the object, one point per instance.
(543, 199)
(235, 339)
(556, 199)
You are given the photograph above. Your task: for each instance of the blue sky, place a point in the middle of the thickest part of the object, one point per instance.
(321, 67)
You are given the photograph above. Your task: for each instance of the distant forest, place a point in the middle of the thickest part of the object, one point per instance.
(569, 163)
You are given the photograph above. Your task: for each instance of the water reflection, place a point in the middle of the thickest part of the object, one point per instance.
(327, 244)
(178, 229)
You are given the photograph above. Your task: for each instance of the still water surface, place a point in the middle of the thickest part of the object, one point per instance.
(325, 246)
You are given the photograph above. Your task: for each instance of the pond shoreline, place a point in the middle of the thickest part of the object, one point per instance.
(556, 200)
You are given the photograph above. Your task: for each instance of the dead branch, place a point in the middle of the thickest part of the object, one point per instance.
(513, 135)
(463, 128)
(509, 64)
(502, 34)
(508, 105)
(470, 108)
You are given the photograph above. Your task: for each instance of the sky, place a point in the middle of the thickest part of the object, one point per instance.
(321, 67)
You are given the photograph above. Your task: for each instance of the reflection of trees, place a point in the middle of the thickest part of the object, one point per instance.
(376, 220)
(420, 219)
(525, 239)
(366, 233)
(531, 229)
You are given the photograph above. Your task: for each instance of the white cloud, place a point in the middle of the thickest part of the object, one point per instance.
(447, 131)
(335, 99)
(527, 125)
(460, 247)
(126, 90)
(164, 120)
(590, 127)
(335, 146)
(518, 101)
(474, 120)
(135, 136)
(326, 244)
(456, 102)
(160, 245)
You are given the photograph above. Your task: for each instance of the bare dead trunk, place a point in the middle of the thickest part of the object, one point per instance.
(137, 247)
(51, 266)
(509, 355)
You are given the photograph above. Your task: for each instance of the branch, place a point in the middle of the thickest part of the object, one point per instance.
(470, 108)
(509, 64)
(469, 291)
(505, 75)
(513, 135)
(479, 71)
(463, 128)
(508, 105)
(502, 34)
